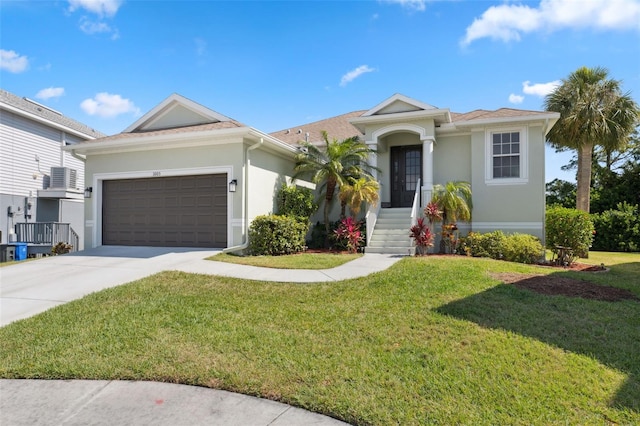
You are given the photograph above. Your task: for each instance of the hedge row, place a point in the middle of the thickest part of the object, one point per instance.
(522, 248)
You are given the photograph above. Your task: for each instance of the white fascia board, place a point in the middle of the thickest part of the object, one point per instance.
(46, 122)
(411, 115)
(397, 97)
(509, 120)
(166, 141)
(159, 111)
(275, 143)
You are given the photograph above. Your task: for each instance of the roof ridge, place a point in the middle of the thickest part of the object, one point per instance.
(47, 113)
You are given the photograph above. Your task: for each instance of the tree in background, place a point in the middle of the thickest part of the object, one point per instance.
(615, 178)
(593, 112)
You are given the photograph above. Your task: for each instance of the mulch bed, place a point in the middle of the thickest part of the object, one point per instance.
(553, 285)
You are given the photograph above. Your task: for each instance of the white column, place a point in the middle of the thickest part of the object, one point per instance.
(427, 169)
(373, 158)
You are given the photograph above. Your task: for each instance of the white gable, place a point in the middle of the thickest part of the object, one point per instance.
(396, 104)
(175, 111)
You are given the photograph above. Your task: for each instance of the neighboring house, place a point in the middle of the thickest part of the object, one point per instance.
(168, 178)
(39, 182)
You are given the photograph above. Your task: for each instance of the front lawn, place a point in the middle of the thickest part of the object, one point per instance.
(431, 340)
(292, 261)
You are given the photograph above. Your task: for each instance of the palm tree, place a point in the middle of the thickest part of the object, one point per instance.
(593, 111)
(356, 191)
(454, 201)
(331, 165)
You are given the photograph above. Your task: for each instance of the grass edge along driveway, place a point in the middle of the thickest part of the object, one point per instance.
(427, 341)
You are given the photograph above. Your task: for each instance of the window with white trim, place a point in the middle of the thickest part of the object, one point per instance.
(506, 156)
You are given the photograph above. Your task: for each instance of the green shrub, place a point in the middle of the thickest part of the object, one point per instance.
(617, 230)
(522, 248)
(484, 245)
(569, 228)
(296, 201)
(276, 235)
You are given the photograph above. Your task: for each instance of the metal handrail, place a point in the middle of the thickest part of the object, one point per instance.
(371, 219)
(47, 233)
(415, 208)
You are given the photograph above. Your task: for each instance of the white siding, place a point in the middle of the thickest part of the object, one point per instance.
(20, 141)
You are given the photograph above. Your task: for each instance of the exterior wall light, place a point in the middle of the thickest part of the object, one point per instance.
(233, 185)
(87, 191)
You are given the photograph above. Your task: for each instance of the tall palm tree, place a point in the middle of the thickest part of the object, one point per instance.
(454, 201)
(593, 111)
(356, 191)
(330, 166)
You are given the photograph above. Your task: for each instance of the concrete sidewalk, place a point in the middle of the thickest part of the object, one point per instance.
(98, 402)
(29, 288)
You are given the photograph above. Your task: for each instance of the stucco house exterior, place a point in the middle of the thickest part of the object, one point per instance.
(40, 183)
(186, 175)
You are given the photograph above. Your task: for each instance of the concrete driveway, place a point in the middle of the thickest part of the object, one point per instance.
(29, 288)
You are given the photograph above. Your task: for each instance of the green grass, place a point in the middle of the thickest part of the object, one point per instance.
(293, 261)
(429, 341)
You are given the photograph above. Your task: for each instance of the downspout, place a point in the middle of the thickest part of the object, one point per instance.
(77, 156)
(245, 209)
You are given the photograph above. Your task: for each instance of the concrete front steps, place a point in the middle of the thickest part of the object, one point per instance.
(391, 233)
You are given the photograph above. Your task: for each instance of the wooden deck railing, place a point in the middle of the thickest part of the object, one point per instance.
(47, 234)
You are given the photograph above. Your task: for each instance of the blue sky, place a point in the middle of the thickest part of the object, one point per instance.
(273, 65)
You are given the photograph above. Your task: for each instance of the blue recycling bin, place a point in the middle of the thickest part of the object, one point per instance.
(21, 251)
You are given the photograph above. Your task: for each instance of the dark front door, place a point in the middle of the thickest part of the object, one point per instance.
(406, 170)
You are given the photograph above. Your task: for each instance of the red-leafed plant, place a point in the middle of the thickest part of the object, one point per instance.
(422, 236)
(348, 233)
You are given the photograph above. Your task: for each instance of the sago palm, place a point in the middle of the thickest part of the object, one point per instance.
(454, 201)
(356, 191)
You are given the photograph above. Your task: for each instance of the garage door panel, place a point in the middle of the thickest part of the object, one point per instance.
(183, 211)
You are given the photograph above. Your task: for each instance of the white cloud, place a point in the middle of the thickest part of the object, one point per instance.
(107, 105)
(418, 5)
(92, 27)
(50, 92)
(102, 8)
(507, 22)
(12, 62)
(515, 99)
(540, 89)
(355, 73)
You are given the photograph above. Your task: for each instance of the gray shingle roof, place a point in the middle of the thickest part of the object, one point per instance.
(339, 127)
(336, 128)
(44, 112)
(231, 124)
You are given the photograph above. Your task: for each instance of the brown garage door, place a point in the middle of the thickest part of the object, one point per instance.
(178, 211)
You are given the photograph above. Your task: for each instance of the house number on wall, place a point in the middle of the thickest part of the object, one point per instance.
(156, 174)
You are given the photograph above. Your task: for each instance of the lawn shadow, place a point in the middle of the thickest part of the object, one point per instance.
(606, 331)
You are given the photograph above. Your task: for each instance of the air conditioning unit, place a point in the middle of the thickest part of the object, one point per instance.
(63, 177)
